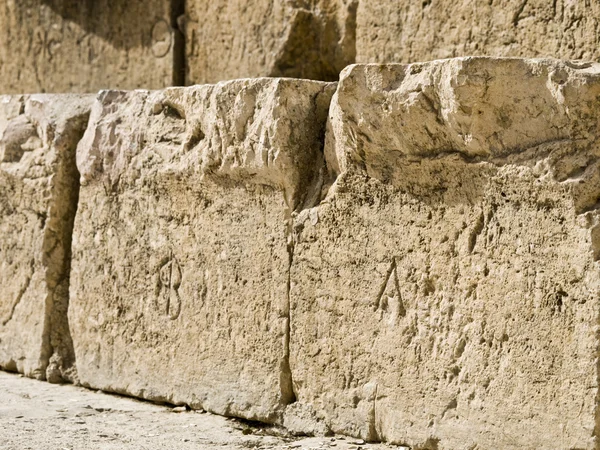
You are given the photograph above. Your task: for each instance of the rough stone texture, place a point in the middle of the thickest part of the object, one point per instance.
(409, 31)
(180, 250)
(312, 39)
(84, 46)
(444, 294)
(39, 186)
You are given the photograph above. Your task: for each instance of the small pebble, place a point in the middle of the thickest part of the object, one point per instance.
(179, 409)
(157, 108)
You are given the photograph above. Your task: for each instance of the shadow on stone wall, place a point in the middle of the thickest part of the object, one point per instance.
(123, 23)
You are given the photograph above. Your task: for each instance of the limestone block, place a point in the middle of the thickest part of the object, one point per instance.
(180, 250)
(39, 186)
(85, 46)
(444, 293)
(228, 39)
(408, 31)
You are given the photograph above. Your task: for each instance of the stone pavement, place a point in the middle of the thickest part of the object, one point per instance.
(36, 415)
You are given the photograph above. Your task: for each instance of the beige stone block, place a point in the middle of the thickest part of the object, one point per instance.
(180, 254)
(85, 46)
(444, 293)
(39, 186)
(291, 38)
(410, 31)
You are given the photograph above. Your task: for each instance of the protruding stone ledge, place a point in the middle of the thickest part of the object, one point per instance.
(181, 258)
(444, 292)
(476, 108)
(39, 186)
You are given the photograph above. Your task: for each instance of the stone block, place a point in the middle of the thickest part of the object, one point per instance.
(39, 185)
(180, 251)
(407, 31)
(85, 46)
(444, 293)
(241, 38)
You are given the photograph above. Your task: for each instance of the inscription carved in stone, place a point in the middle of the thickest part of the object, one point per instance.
(168, 300)
(161, 39)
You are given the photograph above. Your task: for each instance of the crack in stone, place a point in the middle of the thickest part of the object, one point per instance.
(19, 297)
(288, 396)
(178, 20)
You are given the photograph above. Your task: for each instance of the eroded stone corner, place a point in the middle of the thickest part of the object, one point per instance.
(40, 185)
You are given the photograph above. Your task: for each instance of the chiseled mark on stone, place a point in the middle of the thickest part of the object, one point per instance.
(162, 39)
(168, 299)
(517, 15)
(389, 300)
(475, 232)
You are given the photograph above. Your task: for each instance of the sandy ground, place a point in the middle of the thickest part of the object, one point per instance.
(37, 415)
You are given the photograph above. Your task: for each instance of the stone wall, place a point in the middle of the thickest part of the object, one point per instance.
(405, 31)
(409, 255)
(88, 45)
(85, 46)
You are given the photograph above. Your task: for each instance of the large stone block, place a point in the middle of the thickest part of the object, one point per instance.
(85, 46)
(444, 293)
(180, 249)
(408, 31)
(292, 38)
(39, 186)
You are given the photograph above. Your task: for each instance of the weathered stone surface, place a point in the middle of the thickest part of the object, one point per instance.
(312, 39)
(84, 46)
(39, 186)
(180, 251)
(444, 293)
(408, 31)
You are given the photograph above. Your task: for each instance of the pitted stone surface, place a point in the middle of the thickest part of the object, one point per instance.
(84, 46)
(241, 38)
(389, 31)
(444, 292)
(38, 199)
(181, 260)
